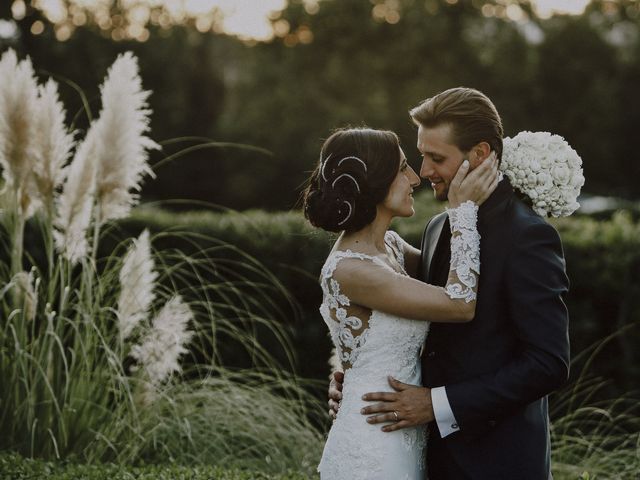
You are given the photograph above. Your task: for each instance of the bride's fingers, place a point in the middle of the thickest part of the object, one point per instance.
(484, 177)
(490, 185)
(483, 171)
(490, 174)
(460, 175)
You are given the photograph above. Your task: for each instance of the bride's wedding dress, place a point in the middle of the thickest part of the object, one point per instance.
(387, 345)
(372, 349)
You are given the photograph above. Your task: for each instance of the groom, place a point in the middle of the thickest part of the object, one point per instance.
(485, 382)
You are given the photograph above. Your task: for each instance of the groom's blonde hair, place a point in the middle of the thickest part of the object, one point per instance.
(472, 116)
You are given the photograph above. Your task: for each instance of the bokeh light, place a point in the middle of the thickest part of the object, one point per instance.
(250, 20)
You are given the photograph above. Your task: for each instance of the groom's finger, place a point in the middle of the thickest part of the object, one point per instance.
(383, 407)
(382, 418)
(397, 384)
(396, 426)
(380, 396)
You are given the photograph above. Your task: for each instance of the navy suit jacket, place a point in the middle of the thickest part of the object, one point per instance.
(499, 368)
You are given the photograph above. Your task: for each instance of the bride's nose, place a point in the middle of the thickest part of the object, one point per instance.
(414, 178)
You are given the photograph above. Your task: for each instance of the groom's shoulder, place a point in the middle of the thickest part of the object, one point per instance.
(526, 222)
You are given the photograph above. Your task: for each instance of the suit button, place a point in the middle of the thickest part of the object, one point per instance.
(431, 354)
(454, 426)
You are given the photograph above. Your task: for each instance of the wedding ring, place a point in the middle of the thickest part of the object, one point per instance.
(395, 414)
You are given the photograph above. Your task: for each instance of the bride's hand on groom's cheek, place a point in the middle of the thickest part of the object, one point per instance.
(476, 185)
(335, 393)
(408, 406)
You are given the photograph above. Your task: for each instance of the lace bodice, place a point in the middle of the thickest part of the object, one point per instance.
(350, 327)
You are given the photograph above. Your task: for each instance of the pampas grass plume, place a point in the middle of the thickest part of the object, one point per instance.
(26, 285)
(122, 160)
(75, 204)
(53, 142)
(137, 279)
(162, 345)
(18, 114)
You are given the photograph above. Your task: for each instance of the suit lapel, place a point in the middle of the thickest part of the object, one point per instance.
(430, 242)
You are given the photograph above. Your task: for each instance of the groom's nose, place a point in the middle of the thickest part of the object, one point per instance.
(426, 169)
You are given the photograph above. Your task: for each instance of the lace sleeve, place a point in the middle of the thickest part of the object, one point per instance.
(465, 252)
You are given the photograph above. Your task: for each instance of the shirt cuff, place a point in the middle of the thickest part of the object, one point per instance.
(447, 423)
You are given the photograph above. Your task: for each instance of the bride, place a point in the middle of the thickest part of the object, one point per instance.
(378, 315)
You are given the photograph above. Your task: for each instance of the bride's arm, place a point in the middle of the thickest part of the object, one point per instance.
(379, 288)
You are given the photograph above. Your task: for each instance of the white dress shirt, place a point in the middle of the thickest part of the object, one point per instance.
(446, 420)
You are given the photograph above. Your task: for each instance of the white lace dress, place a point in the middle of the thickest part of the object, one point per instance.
(380, 346)
(388, 345)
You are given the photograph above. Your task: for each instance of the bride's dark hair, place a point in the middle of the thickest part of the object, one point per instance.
(354, 173)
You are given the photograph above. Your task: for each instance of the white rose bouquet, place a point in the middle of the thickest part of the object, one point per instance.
(545, 169)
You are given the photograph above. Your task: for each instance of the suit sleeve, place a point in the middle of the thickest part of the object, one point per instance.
(535, 283)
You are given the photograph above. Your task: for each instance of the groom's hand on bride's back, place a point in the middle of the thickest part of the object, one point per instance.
(408, 406)
(335, 393)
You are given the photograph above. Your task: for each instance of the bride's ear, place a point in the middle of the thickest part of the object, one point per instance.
(479, 153)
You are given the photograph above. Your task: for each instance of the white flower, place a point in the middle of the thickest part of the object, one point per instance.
(543, 178)
(122, 158)
(74, 205)
(163, 344)
(18, 129)
(561, 173)
(546, 169)
(53, 142)
(137, 279)
(534, 165)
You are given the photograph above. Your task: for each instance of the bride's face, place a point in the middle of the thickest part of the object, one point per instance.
(440, 158)
(399, 200)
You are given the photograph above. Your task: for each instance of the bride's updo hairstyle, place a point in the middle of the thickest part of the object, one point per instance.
(355, 171)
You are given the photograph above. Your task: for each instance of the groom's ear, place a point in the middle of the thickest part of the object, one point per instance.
(479, 153)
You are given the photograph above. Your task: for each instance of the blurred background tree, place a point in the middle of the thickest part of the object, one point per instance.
(305, 67)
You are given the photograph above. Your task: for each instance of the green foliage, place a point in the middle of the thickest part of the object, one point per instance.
(594, 435)
(257, 422)
(68, 391)
(16, 467)
(603, 264)
(245, 420)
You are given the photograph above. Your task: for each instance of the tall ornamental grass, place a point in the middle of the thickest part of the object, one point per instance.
(595, 435)
(119, 358)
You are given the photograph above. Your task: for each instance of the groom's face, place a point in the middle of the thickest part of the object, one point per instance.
(440, 158)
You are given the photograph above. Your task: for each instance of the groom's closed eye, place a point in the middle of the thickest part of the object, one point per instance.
(435, 157)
